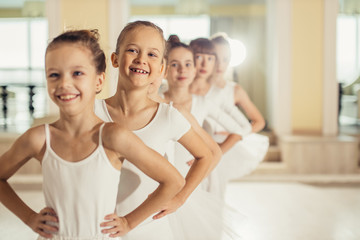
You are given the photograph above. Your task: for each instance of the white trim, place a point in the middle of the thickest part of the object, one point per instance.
(330, 84)
(279, 62)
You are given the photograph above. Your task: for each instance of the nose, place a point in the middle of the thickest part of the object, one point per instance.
(203, 63)
(140, 58)
(65, 81)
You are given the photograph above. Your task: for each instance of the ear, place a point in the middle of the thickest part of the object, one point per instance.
(114, 60)
(163, 66)
(166, 72)
(99, 82)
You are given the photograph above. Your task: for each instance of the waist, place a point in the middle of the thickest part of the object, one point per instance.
(97, 237)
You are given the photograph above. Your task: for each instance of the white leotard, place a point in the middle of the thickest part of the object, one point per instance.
(167, 125)
(82, 193)
(245, 155)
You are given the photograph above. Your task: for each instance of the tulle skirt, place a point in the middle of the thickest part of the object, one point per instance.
(206, 217)
(240, 160)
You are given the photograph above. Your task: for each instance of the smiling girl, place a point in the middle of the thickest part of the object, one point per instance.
(81, 156)
(139, 59)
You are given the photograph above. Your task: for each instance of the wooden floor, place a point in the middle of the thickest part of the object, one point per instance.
(274, 211)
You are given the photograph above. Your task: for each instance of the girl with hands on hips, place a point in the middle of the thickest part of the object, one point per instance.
(81, 156)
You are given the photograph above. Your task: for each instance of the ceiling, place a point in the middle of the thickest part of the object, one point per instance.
(20, 3)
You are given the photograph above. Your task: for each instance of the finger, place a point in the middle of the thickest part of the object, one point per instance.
(43, 234)
(111, 216)
(160, 215)
(109, 230)
(48, 218)
(190, 163)
(48, 228)
(109, 224)
(118, 234)
(48, 211)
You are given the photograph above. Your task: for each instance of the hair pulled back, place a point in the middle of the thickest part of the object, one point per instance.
(86, 38)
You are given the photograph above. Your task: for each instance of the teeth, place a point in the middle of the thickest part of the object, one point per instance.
(138, 70)
(67, 97)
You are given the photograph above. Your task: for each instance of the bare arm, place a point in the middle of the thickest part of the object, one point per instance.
(233, 122)
(203, 158)
(209, 141)
(151, 163)
(29, 145)
(198, 170)
(242, 100)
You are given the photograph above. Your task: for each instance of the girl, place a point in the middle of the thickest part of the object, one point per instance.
(254, 146)
(180, 74)
(245, 155)
(139, 59)
(81, 156)
(204, 216)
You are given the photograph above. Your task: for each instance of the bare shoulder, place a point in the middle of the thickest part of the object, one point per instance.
(34, 136)
(240, 94)
(115, 132)
(239, 89)
(31, 143)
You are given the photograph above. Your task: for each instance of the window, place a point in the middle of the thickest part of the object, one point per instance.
(22, 79)
(348, 49)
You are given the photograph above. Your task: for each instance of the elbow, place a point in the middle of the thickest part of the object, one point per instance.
(216, 154)
(178, 182)
(211, 158)
(258, 125)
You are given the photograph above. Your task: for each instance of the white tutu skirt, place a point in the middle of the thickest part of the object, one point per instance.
(244, 156)
(206, 217)
(240, 160)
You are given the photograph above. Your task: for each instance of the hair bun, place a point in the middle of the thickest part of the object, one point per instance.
(173, 39)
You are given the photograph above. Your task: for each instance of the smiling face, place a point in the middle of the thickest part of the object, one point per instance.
(72, 80)
(205, 64)
(140, 57)
(181, 70)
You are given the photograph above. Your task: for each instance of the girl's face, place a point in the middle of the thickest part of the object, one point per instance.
(223, 58)
(205, 64)
(181, 69)
(140, 57)
(72, 81)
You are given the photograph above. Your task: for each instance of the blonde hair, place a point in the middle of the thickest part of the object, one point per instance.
(85, 38)
(131, 26)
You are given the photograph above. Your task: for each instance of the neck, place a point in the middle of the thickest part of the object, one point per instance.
(218, 81)
(156, 98)
(79, 124)
(199, 86)
(130, 101)
(178, 94)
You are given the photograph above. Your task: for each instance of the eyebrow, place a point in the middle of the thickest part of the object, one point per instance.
(134, 44)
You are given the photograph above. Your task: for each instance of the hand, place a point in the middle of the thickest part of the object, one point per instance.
(41, 222)
(171, 207)
(116, 226)
(224, 133)
(190, 163)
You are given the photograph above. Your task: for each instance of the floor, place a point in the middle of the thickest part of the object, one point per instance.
(274, 211)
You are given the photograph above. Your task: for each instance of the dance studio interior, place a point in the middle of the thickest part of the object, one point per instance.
(298, 61)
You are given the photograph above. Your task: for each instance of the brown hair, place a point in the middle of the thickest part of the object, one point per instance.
(220, 38)
(131, 26)
(203, 45)
(174, 42)
(86, 38)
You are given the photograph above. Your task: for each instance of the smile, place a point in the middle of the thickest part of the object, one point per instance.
(67, 97)
(138, 70)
